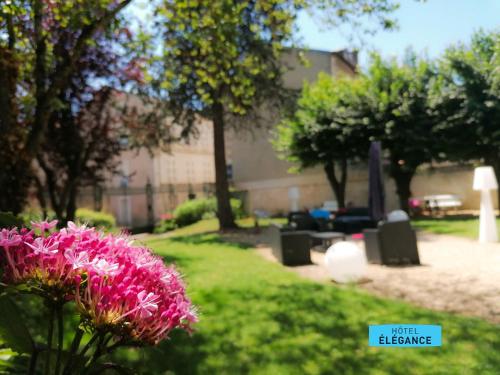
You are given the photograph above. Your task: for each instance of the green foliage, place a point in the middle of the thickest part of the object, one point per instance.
(195, 210)
(95, 218)
(329, 124)
(9, 220)
(398, 97)
(218, 52)
(259, 318)
(237, 208)
(165, 225)
(327, 129)
(467, 100)
(12, 329)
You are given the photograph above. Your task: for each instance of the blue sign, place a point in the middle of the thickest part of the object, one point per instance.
(404, 335)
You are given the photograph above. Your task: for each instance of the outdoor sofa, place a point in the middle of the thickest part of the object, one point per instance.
(353, 220)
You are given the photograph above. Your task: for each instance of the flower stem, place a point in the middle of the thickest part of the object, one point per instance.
(97, 353)
(60, 333)
(89, 344)
(72, 351)
(32, 365)
(49, 339)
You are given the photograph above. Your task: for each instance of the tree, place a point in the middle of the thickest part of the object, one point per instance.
(68, 166)
(83, 134)
(467, 101)
(400, 116)
(329, 129)
(41, 46)
(222, 60)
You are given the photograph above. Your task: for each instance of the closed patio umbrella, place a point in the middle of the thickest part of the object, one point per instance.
(376, 194)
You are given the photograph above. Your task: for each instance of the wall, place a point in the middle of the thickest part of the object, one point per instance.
(186, 168)
(272, 195)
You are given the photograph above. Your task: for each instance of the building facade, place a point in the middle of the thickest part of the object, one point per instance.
(150, 185)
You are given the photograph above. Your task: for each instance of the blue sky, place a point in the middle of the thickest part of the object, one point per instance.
(428, 27)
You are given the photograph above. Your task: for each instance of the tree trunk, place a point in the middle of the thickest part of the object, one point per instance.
(71, 204)
(337, 186)
(224, 212)
(403, 178)
(41, 197)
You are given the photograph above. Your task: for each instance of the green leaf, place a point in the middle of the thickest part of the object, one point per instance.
(99, 368)
(12, 328)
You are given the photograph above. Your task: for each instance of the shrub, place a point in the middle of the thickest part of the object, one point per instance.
(35, 214)
(237, 208)
(95, 218)
(165, 225)
(194, 210)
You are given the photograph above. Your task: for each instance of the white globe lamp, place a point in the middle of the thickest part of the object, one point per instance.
(485, 181)
(397, 215)
(345, 262)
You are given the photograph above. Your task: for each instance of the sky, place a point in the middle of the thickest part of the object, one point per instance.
(428, 27)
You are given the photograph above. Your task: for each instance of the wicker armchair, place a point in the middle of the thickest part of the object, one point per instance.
(392, 244)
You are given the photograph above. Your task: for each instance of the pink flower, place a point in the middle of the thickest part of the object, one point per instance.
(102, 267)
(117, 287)
(78, 229)
(44, 225)
(41, 246)
(77, 260)
(10, 238)
(147, 304)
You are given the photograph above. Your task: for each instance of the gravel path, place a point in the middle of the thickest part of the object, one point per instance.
(457, 275)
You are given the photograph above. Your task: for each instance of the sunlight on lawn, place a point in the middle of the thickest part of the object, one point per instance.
(466, 227)
(212, 225)
(257, 317)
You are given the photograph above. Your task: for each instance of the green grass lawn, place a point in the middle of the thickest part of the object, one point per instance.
(458, 226)
(212, 225)
(256, 317)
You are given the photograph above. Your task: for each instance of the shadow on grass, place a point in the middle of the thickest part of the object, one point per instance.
(209, 239)
(313, 329)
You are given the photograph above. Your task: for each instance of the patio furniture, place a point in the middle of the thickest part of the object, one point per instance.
(301, 220)
(353, 220)
(326, 239)
(392, 243)
(442, 202)
(331, 206)
(290, 247)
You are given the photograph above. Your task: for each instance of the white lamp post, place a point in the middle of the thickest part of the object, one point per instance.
(294, 196)
(484, 181)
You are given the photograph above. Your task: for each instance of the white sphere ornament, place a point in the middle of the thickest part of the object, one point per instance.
(397, 215)
(345, 262)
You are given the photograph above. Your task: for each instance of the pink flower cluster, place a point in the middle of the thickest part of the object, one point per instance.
(116, 286)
